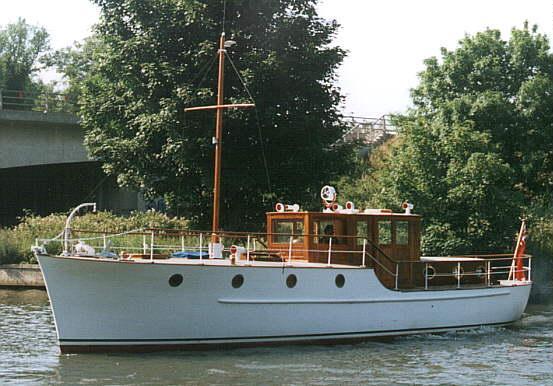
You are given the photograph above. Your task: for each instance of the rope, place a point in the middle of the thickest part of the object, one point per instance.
(89, 196)
(263, 150)
(205, 72)
(240, 77)
(92, 238)
(258, 121)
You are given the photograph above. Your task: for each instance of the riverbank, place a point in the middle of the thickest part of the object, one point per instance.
(21, 276)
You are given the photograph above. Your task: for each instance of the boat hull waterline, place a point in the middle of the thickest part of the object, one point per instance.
(109, 305)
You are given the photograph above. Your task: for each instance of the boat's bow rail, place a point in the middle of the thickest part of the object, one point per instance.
(183, 246)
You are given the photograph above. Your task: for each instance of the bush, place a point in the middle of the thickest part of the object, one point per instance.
(16, 242)
(540, 226)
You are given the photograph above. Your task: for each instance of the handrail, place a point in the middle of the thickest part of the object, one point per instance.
(380, 264)
(367, 128)
(179, 232)
(157, 243)
(43, 101)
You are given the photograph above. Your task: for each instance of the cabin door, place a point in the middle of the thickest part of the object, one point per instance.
(393, 239)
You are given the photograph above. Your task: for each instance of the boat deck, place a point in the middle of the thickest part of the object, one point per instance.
(220, 262)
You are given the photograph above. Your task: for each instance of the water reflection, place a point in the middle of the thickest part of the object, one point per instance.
(23, 297)
(522, 354)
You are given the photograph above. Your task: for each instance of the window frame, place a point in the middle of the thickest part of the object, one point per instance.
(297, 238)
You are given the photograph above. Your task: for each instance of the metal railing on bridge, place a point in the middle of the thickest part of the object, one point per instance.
(369, 130)
(19, 100)
(366, 130)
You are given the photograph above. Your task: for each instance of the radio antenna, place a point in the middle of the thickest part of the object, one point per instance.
(224, 14)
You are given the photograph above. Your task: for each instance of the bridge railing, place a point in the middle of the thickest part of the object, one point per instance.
(369, 130)
(19, 100)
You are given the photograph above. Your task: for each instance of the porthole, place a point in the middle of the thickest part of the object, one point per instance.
(429, 272)
(237, 281)
(175, 280)
(340, 281)
(291, 281)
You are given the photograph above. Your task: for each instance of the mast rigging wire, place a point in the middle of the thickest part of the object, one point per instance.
(258, 122)
(204, 71)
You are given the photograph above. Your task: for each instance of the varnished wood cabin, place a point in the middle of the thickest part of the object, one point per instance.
(392, 240)
(395, 234)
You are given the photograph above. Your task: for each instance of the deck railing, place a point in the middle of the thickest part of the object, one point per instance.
(242, 247)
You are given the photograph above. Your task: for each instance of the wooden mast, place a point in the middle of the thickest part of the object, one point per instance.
(217, 139)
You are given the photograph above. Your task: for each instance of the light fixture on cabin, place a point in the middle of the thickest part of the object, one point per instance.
(280, 207)
(408, 207)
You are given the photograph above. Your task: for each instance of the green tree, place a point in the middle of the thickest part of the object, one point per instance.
(504, 89)
(74, 64)
(477, 148)
(457, 181)
(21, 48)
(151, 63)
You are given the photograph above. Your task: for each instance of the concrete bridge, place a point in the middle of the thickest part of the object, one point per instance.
(29, 138)
(44, 168)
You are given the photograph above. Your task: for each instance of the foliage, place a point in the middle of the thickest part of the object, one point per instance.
(540, 217)
(149, 63)
(21, 48)
(477, 148)
(505, 89)
(15, 243)
(73, 63)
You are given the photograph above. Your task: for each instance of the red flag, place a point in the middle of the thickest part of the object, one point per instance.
(519, 253)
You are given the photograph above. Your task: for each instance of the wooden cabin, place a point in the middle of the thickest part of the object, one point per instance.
(392, 242)
(310, 234)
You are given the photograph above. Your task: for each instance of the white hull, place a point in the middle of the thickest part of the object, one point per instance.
(103, 305)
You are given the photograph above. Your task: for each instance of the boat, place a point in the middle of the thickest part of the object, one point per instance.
(340, 274)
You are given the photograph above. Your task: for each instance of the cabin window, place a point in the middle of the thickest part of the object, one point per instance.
(286, 228)
(362, 232)
(385, 232)
(325, 230)
(402, 232)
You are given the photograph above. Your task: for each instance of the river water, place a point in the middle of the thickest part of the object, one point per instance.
(521, 355)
